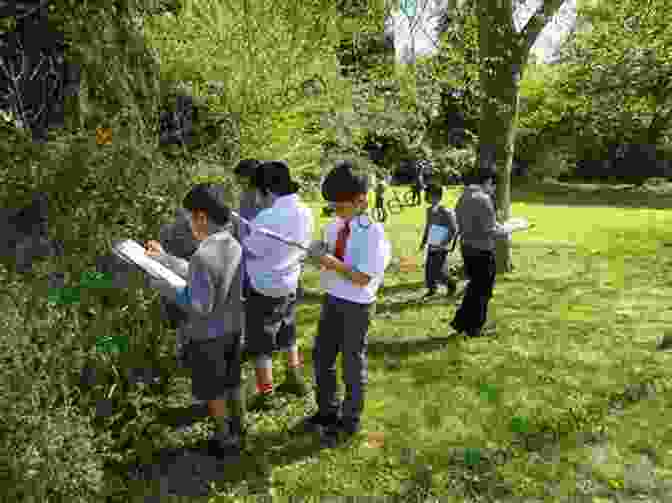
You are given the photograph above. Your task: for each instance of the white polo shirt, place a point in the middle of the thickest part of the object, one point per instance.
(366, 250)
(274, 267)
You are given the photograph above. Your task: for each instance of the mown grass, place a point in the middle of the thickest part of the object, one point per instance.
(505, 416)
(576, 324)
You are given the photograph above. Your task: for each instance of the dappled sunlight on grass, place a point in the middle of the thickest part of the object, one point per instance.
(569, 333)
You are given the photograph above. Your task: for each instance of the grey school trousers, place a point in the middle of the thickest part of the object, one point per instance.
(343, 328)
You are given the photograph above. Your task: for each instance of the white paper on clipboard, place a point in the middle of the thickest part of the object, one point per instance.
(133, 252)
(516, 224)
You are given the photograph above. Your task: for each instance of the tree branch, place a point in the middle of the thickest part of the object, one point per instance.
(538, 21)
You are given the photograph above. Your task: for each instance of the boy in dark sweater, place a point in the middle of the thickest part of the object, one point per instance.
(213, 304)
(440, 229)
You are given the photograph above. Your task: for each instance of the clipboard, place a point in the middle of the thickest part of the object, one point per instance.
(133, 253)
(516, 224)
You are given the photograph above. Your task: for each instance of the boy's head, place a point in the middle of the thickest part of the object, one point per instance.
(434, 194)
(272, 179)
(245, 171)
(346, 190)
(485, 177)
(208, 211)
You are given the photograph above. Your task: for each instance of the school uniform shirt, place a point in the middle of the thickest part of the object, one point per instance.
(476, 219)
(367, 250)
(272, 266)
(440, 227)
(211, 298)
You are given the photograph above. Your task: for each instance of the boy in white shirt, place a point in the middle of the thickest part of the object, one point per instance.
(273, 270)
(353, 257)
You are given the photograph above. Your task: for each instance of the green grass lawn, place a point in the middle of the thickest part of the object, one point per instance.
(509, 416)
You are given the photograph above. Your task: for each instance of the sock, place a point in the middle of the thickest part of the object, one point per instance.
(263, 362)
(264, 387)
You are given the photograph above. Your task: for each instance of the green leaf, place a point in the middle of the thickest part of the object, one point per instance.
(488, 392)
(472, 456)
(64, 296)
(519, 424)
(94, 279)
(112, 344)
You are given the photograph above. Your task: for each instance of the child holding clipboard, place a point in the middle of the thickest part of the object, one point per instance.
(440, 229)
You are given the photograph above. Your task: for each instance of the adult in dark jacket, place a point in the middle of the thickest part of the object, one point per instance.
(475, 214)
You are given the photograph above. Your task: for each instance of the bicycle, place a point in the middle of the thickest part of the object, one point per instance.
(396, 205)
(379, 213)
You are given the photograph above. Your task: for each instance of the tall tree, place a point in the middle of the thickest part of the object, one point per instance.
(504, 53)
(501, 54)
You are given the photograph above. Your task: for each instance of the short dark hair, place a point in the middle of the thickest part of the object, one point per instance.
(274, 176)
(210, 198)
(480, 175)
(342, 184)
(246, 167)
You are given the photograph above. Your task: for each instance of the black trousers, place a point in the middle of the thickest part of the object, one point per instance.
(479, 266)
(434, 275)
(343, 328)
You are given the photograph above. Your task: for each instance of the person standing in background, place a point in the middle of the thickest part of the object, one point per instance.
(440, 230)
(248, 207)
(478, 230)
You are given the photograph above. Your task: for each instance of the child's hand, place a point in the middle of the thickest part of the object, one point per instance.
(153, 248)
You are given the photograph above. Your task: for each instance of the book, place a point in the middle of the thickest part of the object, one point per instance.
(130, 251)
(437, 235)
(516, 224)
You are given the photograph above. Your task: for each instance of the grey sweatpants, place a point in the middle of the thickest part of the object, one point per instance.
(343, 328)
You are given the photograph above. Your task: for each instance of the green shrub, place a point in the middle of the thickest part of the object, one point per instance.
(549, 164)
(453, 164)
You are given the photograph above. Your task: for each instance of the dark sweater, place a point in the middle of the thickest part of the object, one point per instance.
(212, 299)
(476, 219)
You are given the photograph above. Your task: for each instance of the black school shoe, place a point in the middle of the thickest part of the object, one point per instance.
(338, 433)
(227, 444)
(318, 422)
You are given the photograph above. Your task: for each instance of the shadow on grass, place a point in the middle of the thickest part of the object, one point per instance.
(417, 302)
(566, 194)
(190, 470)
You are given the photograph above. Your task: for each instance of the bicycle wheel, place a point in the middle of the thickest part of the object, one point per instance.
(394, 206)
(380, 215)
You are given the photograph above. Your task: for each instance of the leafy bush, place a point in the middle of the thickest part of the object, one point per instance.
(453, 164)
(549, 164)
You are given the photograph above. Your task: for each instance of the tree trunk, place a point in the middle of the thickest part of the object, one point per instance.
(501, 66)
